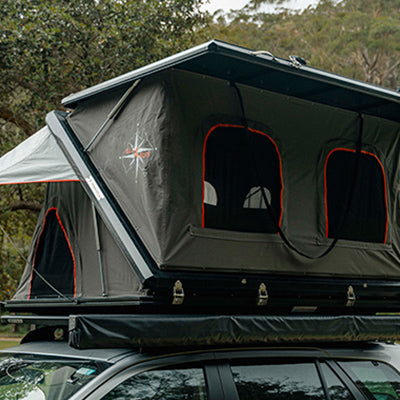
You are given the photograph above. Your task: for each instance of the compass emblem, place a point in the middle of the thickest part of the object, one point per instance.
(137, 154)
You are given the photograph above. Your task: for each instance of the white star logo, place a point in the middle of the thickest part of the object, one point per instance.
(136, 155)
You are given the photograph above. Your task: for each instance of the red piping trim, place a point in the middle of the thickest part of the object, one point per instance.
(252, 130)
(326, 190)
(37, 245)
(51, 180)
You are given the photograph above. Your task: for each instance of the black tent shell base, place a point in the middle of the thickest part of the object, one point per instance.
(220, 294)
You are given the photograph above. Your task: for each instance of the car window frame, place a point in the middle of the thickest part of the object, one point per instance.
(345, 379)
(346, 375)
(220, 384)
(271, 359)
(117, 374)
(331, 363)
(206, 362)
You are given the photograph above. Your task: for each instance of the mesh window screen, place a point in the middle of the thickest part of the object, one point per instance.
(53, 259)
(366, 219)
(237, 163)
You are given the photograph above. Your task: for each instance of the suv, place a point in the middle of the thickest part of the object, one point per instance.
(53, 370)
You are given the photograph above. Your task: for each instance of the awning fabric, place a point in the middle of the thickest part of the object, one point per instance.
(37, 159)
(111, 331)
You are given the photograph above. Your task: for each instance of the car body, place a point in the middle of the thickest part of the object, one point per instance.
(54, 370)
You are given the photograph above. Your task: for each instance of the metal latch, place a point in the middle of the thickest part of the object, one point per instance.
(178, 293)
(297, 61)
(351, 297)
(262, 295)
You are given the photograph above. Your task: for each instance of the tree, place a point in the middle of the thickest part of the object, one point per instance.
(356, 38)
(49, 49)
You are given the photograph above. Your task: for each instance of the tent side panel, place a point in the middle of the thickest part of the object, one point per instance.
(151, 157)
(128, 155)
(74, 214)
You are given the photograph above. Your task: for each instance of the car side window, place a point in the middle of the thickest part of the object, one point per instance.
(336, 389)
(278, 382)
(176, 384)
(377, 380)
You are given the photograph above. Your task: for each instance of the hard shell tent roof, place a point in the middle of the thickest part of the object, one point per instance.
(262, 70)
(177, 155)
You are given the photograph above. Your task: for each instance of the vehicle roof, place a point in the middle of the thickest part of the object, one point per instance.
(386, 352)
(62, 349)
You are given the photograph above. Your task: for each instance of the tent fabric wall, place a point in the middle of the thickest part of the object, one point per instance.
(151, 158)
(37, 159)
(74, 210)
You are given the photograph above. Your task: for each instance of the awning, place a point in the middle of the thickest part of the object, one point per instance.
(153, 330)
(37, 159)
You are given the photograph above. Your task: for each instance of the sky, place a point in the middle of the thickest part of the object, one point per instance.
(227, 5)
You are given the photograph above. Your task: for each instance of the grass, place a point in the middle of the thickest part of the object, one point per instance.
(8, 343)
(11, 335)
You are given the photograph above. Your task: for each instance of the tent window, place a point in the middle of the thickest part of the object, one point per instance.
(236, 164)
(53, 259)
(366, 219)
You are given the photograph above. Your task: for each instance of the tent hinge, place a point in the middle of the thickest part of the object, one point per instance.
(178, 293)
(263, 297)
(351, 297)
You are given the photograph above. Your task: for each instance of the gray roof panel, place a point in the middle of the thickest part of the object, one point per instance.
(264, 71)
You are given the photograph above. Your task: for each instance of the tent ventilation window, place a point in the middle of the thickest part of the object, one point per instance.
(232, 198)
(367, 218)
(53, 259)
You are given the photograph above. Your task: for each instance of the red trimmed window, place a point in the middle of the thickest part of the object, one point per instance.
(367, 218)
(53, 259)
(237, 163)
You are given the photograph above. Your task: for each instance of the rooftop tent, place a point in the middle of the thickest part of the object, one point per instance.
(63, 261)
(229, 171)
(189, 177)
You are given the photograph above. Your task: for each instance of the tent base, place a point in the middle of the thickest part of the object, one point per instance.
(202, 293)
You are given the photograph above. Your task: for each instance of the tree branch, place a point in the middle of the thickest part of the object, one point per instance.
(9, 116)
(24, 205)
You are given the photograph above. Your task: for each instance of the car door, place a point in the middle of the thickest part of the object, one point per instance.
(253, 375)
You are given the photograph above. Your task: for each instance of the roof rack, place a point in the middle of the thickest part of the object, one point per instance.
(35, 320)
(153, 330)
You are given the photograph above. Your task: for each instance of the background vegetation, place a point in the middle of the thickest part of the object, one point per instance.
(49, 49)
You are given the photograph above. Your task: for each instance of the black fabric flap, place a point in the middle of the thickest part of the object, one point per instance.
(92, 331)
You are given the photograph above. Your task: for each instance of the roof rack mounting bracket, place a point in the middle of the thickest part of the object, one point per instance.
(178, 293)
(263, 297)
(351, 297)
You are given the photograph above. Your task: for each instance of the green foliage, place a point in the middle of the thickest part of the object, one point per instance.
(15, 234)
(356, 38)
(49, 49)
